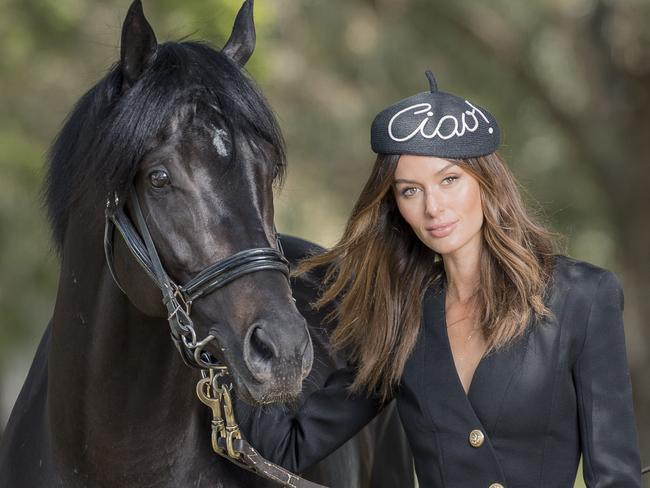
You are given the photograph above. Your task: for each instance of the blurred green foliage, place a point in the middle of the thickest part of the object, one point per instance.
(565, 79)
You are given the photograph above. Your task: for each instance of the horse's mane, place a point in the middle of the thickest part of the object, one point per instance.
(106, 134)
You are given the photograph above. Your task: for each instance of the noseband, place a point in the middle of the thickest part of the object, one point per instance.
(177, 298)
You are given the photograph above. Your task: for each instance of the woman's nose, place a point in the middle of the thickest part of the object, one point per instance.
(432, 205)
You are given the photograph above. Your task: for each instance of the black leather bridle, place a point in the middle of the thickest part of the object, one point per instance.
(226, 438)
(177, 298)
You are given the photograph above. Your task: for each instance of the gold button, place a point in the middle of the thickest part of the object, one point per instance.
(496, 485)
(476, 439)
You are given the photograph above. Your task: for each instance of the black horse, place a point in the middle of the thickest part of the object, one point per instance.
(108, 401)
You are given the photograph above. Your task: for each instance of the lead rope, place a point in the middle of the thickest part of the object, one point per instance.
(226, 437)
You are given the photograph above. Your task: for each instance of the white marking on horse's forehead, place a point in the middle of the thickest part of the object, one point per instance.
(220, 136)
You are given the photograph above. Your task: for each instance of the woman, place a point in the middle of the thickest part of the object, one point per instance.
(507, 361)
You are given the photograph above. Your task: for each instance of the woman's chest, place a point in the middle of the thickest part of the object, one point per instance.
(512, 391)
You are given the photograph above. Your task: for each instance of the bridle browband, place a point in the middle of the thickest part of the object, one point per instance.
(177, 298)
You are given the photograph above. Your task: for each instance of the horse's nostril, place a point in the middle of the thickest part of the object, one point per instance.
(262, 345)
(259, 353)
(277, 356)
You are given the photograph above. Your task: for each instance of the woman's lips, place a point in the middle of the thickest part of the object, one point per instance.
(442, 231)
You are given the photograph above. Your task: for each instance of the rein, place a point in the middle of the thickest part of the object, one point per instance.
(226, 437)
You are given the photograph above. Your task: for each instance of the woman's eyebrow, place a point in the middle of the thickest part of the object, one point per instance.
(445, 168)
(403, 180)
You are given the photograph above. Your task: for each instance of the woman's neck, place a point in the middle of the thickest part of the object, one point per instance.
(462, 268)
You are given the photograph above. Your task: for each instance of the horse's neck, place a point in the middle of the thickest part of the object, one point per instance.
(117, 388)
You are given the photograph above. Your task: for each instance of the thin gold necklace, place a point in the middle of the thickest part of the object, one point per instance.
(461, 358)
(471, 334)
(458, 299)
(459, 320)
(466, 316)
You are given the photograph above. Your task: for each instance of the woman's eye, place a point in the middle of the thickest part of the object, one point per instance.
(407, 192)
(159, 178)
(449, 179)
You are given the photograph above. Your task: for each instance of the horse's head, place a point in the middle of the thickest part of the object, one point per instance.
(206, 152)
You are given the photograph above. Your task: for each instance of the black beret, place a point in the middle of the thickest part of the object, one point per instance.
(435, 123)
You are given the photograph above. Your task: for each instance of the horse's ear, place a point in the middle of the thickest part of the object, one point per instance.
(138, 44)
(241, 44)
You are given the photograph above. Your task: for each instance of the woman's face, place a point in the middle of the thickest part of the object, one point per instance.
(440, 201)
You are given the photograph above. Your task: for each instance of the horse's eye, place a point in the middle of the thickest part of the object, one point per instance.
(159, 178)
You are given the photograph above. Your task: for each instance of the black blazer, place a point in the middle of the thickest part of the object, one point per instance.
(560, 390)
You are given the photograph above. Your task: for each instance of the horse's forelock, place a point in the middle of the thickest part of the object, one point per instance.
(107, 133)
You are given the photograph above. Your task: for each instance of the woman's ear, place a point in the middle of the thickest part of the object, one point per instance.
(138, 45)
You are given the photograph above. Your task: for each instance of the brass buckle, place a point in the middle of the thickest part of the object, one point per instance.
(232, 429)
(205, 392)
(220, 402)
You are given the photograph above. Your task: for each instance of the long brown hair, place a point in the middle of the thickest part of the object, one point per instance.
(379, 270)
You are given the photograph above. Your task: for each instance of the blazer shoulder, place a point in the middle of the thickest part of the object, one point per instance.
(582, 288)
(572, 274)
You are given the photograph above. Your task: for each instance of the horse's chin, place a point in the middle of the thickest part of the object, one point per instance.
(262, 394)
(284, 385)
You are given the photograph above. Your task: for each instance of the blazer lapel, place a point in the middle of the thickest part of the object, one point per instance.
(446, 400)
(491, 379)
(449, 409)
